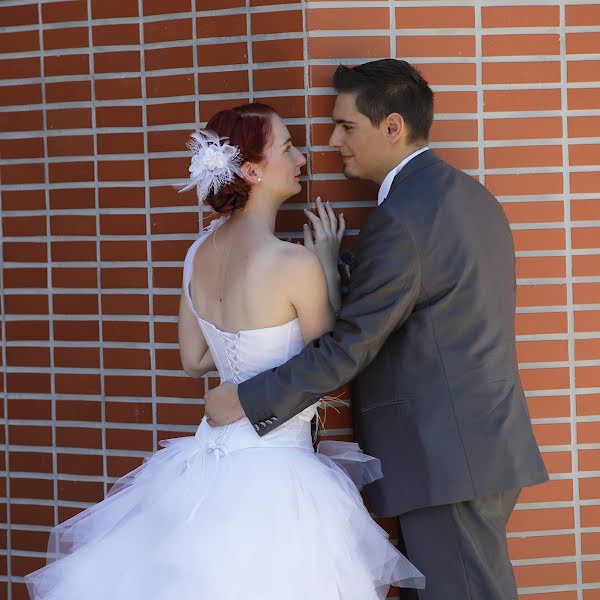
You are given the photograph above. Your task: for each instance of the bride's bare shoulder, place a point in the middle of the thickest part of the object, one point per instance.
(293, 252)
(286, 266)
(296, 262)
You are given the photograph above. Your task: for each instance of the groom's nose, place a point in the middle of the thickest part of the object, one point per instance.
(334, 139)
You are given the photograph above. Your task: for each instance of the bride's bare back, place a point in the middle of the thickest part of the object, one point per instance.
(244, 278)
(241, 277)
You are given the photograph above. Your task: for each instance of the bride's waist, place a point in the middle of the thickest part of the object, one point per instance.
(295, 433)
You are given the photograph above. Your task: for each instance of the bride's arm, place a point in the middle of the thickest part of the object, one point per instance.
(307, 287)
(334, 289)
(196, 358)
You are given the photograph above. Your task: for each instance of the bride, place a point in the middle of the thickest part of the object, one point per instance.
(227, 514)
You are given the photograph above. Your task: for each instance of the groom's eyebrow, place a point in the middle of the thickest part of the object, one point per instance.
(343, 121)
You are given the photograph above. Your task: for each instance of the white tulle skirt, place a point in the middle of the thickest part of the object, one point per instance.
(228, 515)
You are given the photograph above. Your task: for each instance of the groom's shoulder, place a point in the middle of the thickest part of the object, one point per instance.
(430, 184)
(419, 174)
(428, 173)
(424, 194)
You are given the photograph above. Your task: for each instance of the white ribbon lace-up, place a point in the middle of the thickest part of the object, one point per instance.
(217, 448)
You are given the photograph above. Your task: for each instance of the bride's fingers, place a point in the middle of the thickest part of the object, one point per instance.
(333, 224)
(323, 216)
(316, 223)
(341, 228)
(308, 237)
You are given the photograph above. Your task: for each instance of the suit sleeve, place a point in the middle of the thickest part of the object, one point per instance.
(384, 289)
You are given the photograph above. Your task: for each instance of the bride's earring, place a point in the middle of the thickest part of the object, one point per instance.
(259, 179)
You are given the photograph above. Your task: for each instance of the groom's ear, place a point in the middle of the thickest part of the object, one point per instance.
(395, 128)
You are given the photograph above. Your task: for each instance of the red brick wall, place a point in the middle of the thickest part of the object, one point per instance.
(96, 101)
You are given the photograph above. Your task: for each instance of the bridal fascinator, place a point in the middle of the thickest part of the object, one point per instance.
(213, 164)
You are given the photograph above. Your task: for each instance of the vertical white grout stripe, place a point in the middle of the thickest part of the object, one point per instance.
(98, 248)
(570, 300)
(48, 238)
(250, 56)
(4, 420)
(480, 96)
(148, 209)
(307, 105)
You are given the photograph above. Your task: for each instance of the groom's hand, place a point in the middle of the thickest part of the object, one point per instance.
(222, 405)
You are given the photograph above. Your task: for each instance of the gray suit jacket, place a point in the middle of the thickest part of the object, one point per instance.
(427, 330)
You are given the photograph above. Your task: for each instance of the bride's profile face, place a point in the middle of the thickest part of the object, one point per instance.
(281, 168)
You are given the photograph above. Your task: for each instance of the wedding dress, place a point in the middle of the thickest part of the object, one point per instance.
(229, 515)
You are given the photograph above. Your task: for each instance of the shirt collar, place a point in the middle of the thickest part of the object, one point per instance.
(384, 190)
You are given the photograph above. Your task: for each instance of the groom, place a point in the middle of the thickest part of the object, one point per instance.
(426, 332)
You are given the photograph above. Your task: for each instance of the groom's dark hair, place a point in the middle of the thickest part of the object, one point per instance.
(389, 86)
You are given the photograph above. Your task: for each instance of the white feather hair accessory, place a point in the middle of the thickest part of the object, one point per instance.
(213, 164)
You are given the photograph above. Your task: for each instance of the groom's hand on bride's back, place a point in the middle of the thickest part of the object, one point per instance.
(222, 405)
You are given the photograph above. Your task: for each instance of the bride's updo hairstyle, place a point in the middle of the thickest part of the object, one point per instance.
(249, 128)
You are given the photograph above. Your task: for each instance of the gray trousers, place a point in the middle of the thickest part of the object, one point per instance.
(461, 549)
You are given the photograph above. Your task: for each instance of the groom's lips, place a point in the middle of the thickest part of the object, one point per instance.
(344, 158)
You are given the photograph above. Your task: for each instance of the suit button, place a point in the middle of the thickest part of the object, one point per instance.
(275, 418)
(256, 427)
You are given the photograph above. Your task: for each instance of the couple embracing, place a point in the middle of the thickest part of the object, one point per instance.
(245, 508)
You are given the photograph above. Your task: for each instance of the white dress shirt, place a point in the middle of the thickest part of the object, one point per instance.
(384, 190)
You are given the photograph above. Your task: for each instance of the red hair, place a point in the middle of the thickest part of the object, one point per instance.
(249, 128)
